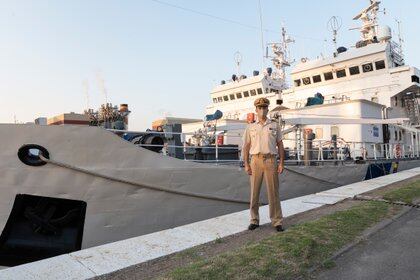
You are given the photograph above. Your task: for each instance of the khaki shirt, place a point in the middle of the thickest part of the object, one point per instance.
(263, 137)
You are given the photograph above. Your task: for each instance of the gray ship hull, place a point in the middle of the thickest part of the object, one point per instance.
(116, 210)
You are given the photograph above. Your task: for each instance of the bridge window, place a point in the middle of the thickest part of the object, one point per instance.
(380, 65)
(415, 79)
(298, 83)
(368, 67)
(214, 100)
(220, 99)
(253, 92)
(246, 94)
(354, 70)
(259, 91)
(239, 95)
(232, 96)
(341, 73)
(316, 78)
(225, 98)
(328, 76)
(306, 81)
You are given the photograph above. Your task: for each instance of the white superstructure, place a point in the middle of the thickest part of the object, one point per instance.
(368, 80)
(235, 98)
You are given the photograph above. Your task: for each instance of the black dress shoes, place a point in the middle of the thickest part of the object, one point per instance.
(253, 226)
(279, 228)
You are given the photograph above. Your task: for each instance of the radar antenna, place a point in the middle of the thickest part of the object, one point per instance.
(334, 24)
(281, 56)
(369, 18)
(238, 60)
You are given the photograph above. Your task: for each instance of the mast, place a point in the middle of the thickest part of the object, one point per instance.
(281, 57)
(261, 34)
(369, 28)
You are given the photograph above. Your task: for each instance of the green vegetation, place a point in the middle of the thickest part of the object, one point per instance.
(405, 194)
(218, 240)
(289, 254)
(190, 254)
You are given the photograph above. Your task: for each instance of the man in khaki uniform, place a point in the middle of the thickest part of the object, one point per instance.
(263, 140)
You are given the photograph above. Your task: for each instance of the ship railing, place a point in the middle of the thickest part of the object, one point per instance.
(352, 149)
(322, 150)
(387, 151)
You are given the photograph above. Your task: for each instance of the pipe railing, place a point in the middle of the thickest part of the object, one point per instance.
(345, 149)
(387, 151)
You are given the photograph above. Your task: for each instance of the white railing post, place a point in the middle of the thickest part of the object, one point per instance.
(374, 151)
(321, 151)
(354, 150)
(391, 151)
(184, 144)
(299, 143)
(382, 150)
(364, 151)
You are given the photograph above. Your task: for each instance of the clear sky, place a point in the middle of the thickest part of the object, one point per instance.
(159, 59)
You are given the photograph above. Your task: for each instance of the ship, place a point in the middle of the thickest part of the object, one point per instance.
(346, 118)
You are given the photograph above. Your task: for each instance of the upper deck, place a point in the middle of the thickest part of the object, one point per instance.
(236, 97)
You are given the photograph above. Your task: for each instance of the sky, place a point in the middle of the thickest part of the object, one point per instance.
(162, 57)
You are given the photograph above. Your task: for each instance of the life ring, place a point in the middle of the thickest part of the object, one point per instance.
(398, 151)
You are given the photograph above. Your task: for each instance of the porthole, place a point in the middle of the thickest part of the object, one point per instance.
(368, 67)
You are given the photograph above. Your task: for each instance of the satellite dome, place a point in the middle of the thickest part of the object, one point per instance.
(384, 33)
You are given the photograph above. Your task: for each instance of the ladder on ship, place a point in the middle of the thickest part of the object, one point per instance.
(412, 108)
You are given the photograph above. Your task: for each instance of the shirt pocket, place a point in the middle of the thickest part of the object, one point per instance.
(272, 133)
(253, 133)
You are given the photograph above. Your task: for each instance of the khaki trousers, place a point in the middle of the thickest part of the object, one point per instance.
(265, 166)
